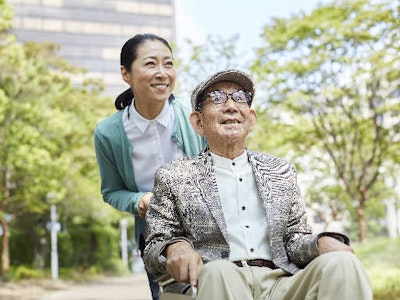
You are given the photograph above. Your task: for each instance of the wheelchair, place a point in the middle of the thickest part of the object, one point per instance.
(164, 295)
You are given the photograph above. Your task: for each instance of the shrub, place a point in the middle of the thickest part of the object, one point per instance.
(25, 272)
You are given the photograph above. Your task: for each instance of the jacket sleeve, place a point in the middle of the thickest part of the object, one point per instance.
(113, 185)
(163, 225)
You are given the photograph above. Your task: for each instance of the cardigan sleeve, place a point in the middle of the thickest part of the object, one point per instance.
(116, 172)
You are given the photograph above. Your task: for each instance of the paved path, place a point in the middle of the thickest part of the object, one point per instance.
(130, 287)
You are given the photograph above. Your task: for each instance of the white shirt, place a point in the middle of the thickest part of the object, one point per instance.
(152, 143)
(244, 214)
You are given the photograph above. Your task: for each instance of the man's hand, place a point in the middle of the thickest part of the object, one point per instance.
(328, 244)
(183, 263)
(144, 204)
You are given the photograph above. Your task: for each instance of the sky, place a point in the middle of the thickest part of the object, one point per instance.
(197, 19)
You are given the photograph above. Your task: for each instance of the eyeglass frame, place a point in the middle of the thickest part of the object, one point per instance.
(248, 96)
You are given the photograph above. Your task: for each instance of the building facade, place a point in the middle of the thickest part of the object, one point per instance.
(90, 33)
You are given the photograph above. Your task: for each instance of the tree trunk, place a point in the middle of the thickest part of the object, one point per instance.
(5, 249)
(362, 224)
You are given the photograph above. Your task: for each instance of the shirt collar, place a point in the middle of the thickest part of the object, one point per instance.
(226, 163)
(142, 123)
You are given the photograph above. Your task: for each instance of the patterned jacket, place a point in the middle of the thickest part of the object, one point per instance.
(186, 206)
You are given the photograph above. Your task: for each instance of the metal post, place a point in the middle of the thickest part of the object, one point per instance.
(54, 228)
(124, 241)
(392, 220)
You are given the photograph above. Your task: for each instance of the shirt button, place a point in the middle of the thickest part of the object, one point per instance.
(243, 207)
(251, 249)
(233, 164)
(240, 179)
(247, 226)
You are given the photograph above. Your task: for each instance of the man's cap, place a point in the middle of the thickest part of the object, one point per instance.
(236, 76)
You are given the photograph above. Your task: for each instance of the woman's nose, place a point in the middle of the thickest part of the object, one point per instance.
(161, 71)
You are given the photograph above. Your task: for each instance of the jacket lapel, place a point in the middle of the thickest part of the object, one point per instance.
(275, 218)
(209, 190)
(262, 177)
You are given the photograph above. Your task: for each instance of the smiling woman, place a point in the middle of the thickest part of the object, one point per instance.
(151, 128)
(151, 76)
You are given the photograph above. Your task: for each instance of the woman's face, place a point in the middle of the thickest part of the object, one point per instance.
(152, 76)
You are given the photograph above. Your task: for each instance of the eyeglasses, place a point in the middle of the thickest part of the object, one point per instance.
(220, 97)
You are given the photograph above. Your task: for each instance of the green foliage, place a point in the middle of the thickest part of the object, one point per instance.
(216, 54)
(88, 243)
(25, 272)
(30, 140)
(28, 244)
(6, 15)
(330, 83)
(327, 98)
(47, 157)
(381, 259)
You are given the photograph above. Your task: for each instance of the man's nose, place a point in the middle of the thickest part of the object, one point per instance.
(230, 104)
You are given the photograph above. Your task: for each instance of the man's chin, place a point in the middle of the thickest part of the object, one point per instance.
(234, 127)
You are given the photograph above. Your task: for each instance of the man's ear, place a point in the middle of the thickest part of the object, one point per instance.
(125, 75)
(196, 119)
(253, 117)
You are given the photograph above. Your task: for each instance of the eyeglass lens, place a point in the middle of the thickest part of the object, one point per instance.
(219, 97)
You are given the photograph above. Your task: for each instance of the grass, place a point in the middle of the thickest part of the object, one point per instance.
(381, 258)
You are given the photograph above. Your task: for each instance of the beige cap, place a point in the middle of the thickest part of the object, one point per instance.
(237, 76)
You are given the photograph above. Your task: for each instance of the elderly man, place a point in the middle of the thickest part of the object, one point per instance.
(233, 223)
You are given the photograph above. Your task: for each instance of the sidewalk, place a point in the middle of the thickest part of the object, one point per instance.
(128, 287)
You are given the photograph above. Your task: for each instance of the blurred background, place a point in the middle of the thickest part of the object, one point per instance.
(327, 80)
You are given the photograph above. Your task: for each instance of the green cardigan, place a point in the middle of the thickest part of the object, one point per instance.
(114, 157)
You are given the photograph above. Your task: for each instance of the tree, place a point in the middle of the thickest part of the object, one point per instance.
(46, 139)
(336, 75)
(196, 62)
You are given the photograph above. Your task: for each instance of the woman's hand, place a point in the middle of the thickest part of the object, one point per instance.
(144, 204)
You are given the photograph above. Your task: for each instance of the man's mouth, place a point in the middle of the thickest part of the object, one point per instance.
(230, 121)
